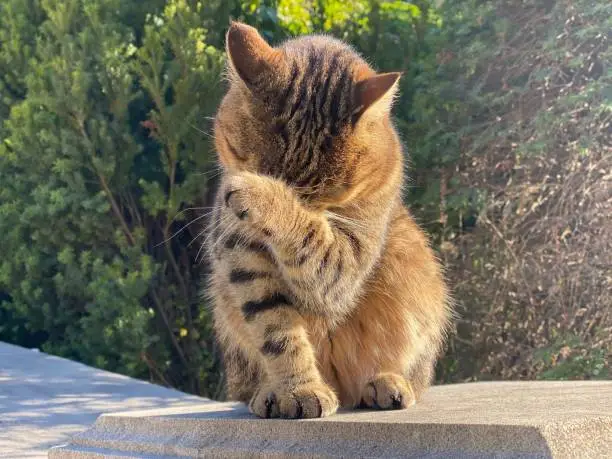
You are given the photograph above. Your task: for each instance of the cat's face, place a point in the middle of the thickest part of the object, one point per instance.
(310, 112)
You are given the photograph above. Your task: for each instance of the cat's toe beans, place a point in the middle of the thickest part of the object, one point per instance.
(265, 404)
(228, 196)
(310, 402)
(234, 200)
(397, 401)
(389, 391)
(236, 197)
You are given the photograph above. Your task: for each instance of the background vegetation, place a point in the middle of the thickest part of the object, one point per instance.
(105, 157)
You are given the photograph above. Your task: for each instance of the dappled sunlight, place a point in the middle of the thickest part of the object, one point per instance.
(45, 399)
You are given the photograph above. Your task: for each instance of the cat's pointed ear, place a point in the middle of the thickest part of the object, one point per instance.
(250, 57)
(375, 94)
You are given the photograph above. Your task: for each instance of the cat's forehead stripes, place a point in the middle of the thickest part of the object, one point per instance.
(310, 108)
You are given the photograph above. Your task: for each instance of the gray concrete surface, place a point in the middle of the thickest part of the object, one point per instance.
(47, 401)
(44, 400)
(478, 420)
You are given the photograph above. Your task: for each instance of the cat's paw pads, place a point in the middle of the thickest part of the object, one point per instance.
(251, 198)
(237, 197)
(314, 400)
(264, 403)
(388, 391)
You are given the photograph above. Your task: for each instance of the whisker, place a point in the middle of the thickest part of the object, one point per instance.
(196, 237)
(201, 131)
(185, 227)
(194, 208)
(205, 243)
(213, 173)
(210, 229)
(346, 220)
(308, 189)
(222, 222)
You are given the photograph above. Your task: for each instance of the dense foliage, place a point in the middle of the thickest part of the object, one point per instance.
(106, 168)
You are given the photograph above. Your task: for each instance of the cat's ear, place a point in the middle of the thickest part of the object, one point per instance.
(375, 94)
(250, 57)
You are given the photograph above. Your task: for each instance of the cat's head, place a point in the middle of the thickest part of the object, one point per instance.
(310, 112)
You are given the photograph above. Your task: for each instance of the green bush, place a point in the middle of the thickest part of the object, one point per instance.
(107, 167)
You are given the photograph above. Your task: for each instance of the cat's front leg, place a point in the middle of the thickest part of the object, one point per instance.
(272, 329)
(293, 387)
(324, 262)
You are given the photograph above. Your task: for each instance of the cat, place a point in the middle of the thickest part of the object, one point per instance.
(324, 290)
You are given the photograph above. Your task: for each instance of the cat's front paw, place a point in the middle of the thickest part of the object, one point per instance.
(237, 196)
(251, 198)
(388, 391)
(312, 400)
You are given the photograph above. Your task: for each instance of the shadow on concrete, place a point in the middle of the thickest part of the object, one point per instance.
(46, 399)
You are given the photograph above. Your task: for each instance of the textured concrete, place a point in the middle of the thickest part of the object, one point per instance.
(480, 420)
(44, 400)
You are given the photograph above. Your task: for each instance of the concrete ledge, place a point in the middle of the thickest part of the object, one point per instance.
(45, 400)
(478, 420)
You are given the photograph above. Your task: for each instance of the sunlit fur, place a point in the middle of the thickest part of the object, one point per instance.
(324, 289)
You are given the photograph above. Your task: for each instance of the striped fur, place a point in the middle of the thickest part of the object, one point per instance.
(325, 291)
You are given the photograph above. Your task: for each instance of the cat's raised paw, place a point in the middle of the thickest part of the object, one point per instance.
(236, 197)
(313, 400)
(388, 391)
(250, 198)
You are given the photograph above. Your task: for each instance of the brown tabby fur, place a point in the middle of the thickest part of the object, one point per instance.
(325, 291)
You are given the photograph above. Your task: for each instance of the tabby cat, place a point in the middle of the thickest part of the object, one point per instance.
(324, 290)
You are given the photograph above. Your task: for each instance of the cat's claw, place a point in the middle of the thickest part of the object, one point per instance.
(245, 198)
(388, 391)
(314, 400)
